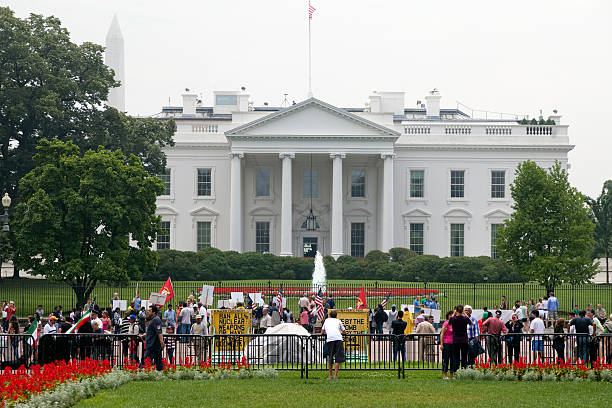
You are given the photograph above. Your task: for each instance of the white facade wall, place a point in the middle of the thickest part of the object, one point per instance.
(314, 128)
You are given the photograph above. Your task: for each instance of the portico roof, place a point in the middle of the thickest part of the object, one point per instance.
(303, 113)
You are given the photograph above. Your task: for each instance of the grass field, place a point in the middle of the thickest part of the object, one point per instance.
(353, 389)
(29, 293)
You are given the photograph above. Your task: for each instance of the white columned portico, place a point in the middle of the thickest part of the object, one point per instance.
(387, 216)
(286, 206)
(236, 202)
(337, 248)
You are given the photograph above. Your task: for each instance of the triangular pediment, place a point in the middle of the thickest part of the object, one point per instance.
(203, 211)
(497, 213)
(458, 213)
(311, 117)
(417, 212)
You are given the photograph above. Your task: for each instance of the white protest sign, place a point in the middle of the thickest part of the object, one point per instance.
(237, 297)
(257, 299)
(206, 298)
(275, 302)
(157, 298)
(411, 308)
(145, 303)
(121, 304)
(433, 312)
(224, 304)
(506, 314)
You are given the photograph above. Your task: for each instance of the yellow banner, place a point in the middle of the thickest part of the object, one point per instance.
(355, 322)
(231, 322)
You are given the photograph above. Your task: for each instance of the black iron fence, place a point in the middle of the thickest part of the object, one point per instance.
(288, 352)
(28, 293)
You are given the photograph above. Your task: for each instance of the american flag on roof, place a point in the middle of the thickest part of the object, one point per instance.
(319, 304)
(384, 302)
(311, 10)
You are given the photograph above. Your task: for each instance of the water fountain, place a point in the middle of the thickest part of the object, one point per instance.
(318, 275)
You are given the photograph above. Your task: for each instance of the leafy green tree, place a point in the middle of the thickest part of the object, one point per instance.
(51, 87)
(549, 236)
(602, 214)
(77, 215)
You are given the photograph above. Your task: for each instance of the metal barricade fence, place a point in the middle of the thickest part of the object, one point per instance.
(291, 352)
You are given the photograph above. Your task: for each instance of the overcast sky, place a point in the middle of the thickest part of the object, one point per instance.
(514, 56)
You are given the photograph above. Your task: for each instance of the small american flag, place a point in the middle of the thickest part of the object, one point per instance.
(280, 297)
(319, 304)
(384, 302)
(310, 11)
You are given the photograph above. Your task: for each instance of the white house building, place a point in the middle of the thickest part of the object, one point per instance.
(434, 180)
(248, 178)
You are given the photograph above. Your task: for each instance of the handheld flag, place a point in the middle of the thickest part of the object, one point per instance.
(361, 300)
(34, 333)
(249, 302)
(280, 297)
(319, 303)
(85, 318)
(167, 289)
(384, 302)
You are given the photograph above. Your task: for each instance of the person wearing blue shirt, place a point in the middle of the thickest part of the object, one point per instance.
(552, 305)
(430, 304)
(417, 305)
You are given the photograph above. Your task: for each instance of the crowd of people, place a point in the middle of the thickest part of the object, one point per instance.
(459, 336)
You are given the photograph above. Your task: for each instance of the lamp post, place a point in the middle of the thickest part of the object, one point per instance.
(6, 202)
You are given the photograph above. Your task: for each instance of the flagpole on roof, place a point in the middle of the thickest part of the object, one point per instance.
(310, 10)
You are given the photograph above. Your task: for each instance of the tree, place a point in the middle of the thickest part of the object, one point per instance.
(549, 237)
(602, 215)
(78, 213)
(51, 87)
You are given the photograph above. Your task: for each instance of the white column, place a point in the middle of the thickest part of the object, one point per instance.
(286, 206)
(236, 202)
(337, 248)
(387, 208)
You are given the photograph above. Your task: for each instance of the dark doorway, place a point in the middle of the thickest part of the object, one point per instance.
(310, 247)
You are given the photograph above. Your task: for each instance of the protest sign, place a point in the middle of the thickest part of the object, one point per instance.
(237, 297)
(432, 312)
(206, 297)
(230, 322)
(257, 299)
(355, 322)
(121, 304)
(157, 298)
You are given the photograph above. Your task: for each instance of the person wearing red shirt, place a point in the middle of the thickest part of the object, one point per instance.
(495, 328)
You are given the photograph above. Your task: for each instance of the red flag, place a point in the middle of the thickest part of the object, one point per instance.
(167, 289)
(361, 300)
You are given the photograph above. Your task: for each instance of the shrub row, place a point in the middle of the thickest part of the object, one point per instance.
(399, 264)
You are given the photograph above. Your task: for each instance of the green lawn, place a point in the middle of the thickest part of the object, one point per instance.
(29, 293)
(353, 389)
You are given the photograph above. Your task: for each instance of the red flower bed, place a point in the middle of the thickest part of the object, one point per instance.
(21, 385)
(337, 291)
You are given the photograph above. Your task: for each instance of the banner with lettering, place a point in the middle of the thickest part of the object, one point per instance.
(231, 322)
(355, 322)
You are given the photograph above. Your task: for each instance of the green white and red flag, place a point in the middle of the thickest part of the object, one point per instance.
(85, 318)
(33, 332)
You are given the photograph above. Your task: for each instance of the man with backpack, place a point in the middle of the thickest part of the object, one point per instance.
(380, 317)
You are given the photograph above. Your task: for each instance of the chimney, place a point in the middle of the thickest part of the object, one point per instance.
(189, 103)
(433, 104)
(555, 117)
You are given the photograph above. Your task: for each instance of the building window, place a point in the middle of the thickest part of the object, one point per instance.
(311, 183)
(358, 183)
(165, 177)
(262, 183)
(494, 230)
(203, 234)
(417, 183)
(358, 239)
(498, 184)
(262, 237)
(204, 182)
(456, 239)
(457, 183)
(163, 238)
(417, 238)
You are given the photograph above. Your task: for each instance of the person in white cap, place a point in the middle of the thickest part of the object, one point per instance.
(199, 329)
